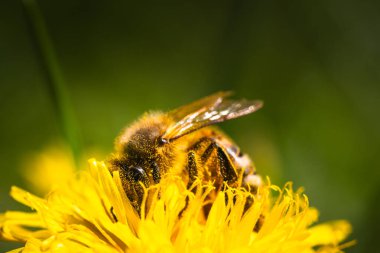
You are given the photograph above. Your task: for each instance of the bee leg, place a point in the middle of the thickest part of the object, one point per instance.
(248, 203)
(200, 143)
(251, 183)
(226, 168)
(192, 168)
(193, 174)
(230, 176)
(209, 150)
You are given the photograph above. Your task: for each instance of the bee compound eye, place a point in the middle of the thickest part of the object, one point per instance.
(162, 141)
(137, 174)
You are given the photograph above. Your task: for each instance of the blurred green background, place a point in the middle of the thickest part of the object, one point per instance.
(314, 63)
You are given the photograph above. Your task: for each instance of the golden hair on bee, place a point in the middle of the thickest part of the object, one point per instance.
(183, 142)
(141, 141)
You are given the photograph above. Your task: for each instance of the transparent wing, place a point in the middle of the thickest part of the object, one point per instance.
(199, 105)
(212, 111)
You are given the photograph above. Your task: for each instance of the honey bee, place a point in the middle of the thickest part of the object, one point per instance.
(183, 142)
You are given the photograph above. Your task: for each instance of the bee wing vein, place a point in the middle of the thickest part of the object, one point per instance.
(219, 111)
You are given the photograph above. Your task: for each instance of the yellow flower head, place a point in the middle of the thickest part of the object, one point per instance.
(48, 169)
(91, 213)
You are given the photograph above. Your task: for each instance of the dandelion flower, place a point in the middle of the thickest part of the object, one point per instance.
(91, 213)
(49, 168)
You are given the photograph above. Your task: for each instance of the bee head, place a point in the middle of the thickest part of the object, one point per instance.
(134, 179)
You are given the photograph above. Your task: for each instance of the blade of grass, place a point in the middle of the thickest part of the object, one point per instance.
(56, 83)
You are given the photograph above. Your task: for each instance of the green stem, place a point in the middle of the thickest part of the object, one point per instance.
(56, 83)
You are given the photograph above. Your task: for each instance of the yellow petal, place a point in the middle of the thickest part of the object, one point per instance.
(91, 213)
(329, 233)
